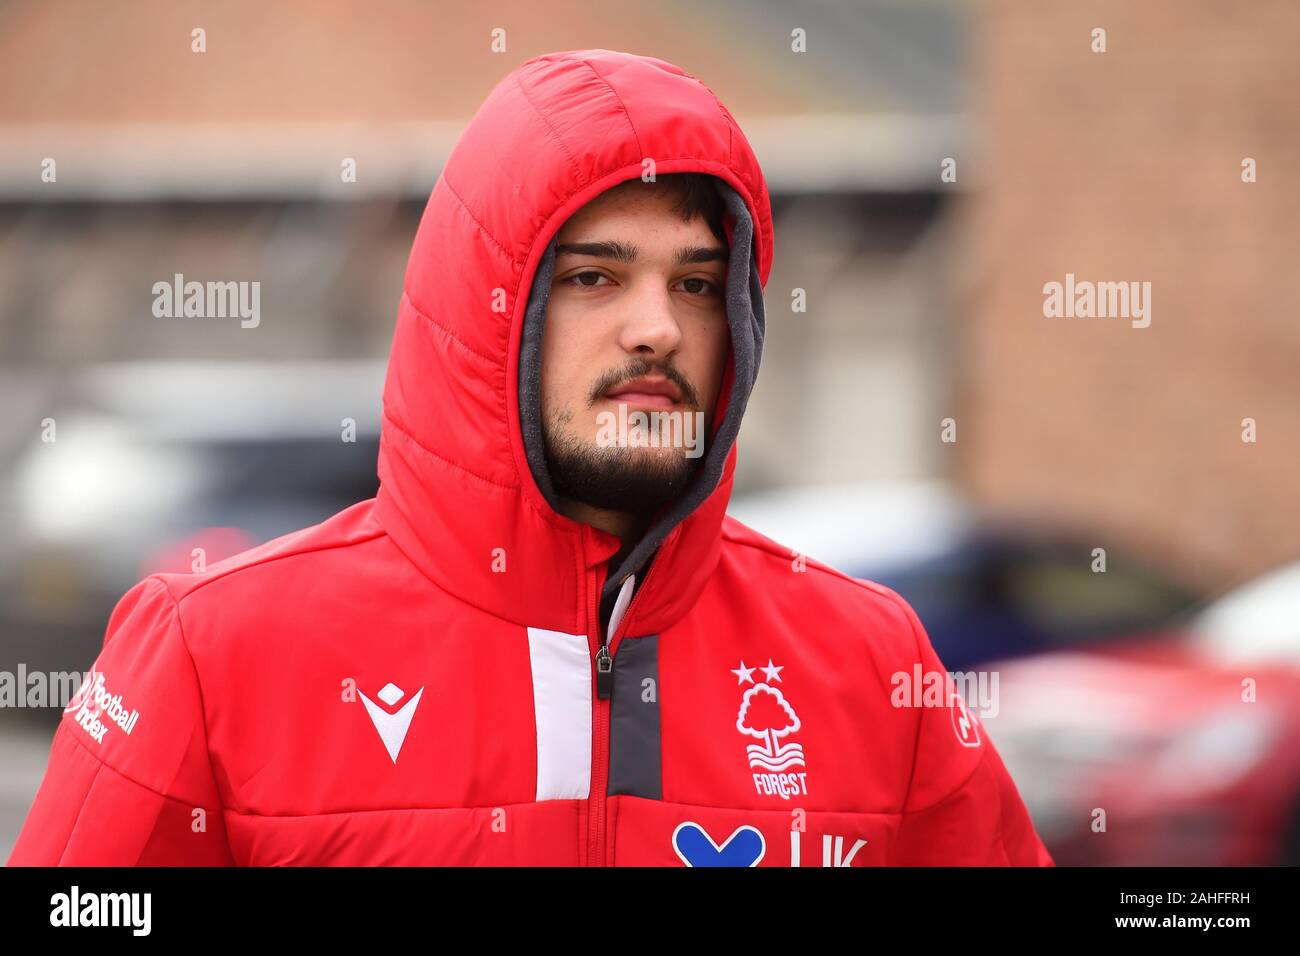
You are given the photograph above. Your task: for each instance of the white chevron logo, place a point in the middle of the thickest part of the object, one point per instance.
(392, 727)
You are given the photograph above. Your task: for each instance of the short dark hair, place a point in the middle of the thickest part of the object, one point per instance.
(696, 195)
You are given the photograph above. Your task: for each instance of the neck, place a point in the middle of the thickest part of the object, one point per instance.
(626, 526)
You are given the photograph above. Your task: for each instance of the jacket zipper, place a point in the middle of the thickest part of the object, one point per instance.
(600, 727)
(603, 660)
(604, 656)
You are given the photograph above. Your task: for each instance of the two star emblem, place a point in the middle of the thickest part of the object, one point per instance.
(744, 674)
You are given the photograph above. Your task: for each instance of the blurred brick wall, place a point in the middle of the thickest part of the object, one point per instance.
(1126, 166)
(368, 61)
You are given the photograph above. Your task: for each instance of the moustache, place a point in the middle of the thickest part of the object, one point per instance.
(638, 368)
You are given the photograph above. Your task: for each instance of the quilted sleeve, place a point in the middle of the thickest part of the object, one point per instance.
(962, 808)
(129, 780)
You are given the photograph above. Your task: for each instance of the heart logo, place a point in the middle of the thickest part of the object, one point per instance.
(695, 847)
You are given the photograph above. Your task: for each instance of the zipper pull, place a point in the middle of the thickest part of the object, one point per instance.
(604, 673)
(604, 660)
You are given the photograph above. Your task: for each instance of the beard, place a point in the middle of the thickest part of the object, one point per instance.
(637, 481)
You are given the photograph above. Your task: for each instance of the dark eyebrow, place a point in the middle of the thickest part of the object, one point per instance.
(701, 254)
(605, 249)
(622, 252)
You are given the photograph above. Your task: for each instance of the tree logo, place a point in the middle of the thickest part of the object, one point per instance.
(766, 715)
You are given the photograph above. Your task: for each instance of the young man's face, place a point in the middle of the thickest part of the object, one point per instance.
(637, 316)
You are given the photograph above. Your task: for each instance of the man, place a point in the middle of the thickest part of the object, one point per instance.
(542, 642)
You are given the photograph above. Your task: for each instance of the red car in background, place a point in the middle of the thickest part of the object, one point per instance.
(1174, 749)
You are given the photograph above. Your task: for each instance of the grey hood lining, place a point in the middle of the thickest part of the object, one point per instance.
(745, 319)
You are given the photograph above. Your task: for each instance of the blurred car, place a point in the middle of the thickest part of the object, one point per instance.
(1190, 746)
(152, 461)
(984, 591)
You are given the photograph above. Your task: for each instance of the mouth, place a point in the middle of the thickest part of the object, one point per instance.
(646, 392)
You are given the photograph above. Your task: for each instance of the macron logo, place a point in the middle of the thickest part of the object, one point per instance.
(392, 727)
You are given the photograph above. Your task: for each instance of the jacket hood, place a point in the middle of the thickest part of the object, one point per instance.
(461, 492)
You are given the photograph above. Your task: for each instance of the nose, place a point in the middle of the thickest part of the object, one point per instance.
(649, 329)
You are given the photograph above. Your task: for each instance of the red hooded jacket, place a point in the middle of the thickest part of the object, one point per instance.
(412, 681)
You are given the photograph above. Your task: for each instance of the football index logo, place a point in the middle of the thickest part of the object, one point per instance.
(92, 701)
(767, 715)
(392, 727)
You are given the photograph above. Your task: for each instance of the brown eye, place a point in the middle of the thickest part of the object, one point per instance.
(697, 286)
(578, 279)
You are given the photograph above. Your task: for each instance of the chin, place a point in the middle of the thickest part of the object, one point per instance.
(621, 479)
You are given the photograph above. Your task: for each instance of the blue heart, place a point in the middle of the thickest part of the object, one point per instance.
(695, 848)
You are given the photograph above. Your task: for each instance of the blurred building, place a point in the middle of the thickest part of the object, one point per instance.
(1127, 166)
(227, 164)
